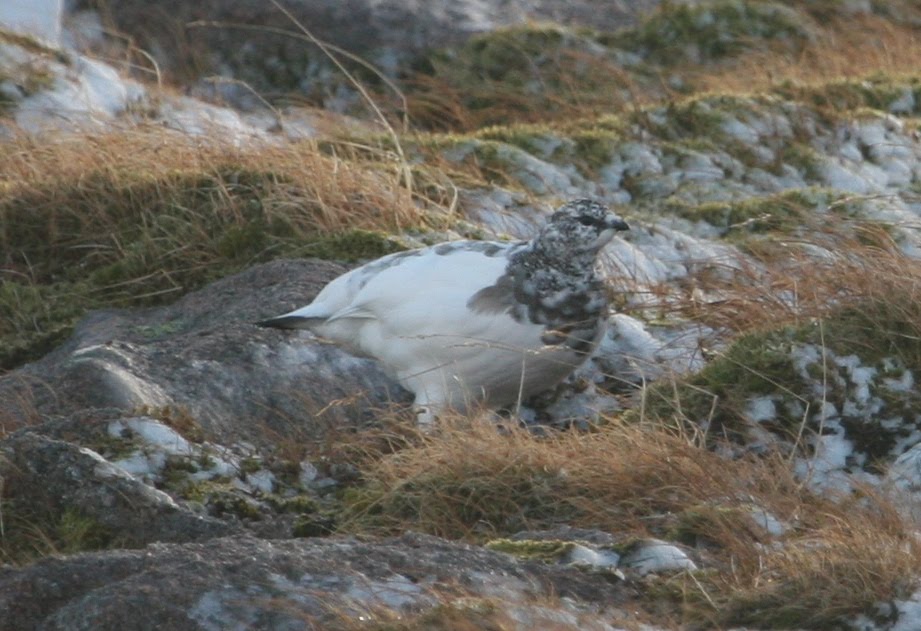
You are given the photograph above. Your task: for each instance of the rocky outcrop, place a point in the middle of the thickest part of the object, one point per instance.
(204, 355)
(58, 477)
(244, 582)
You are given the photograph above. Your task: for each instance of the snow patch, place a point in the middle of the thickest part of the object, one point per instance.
(39, 18)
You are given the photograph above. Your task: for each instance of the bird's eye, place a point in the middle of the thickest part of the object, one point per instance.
(587, 221)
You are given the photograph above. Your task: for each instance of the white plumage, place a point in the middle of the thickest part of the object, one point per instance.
(474, 321)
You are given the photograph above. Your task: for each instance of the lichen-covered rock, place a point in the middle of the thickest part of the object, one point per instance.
(243, 582)
(46, 476)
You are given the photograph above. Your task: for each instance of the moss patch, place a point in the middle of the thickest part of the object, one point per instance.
(544, 551)
(29, 534)
(895, 94)
(784, 213)
(872, 344)
(524, 74)
(709, 31)
(716, 398)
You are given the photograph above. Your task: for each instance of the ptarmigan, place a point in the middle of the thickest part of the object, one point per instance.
(469, 322)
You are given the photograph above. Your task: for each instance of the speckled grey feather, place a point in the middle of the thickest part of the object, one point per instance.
(552, 280)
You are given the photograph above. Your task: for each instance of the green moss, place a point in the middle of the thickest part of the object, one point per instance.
(586, 146)
(175, 473)
(29, 534)
(878, 93)
(313, 525)
(593, 150)
(534, 139)
(299, 504)
(508, 55)
(77, 532)
(545, 551)
(801, 157)
(700, 117)
(250, 465)
(716, 397)
(783, 213)
(524, 73)
(218, 497)
(884, 335)
(165, 329)
(229, 503)
(287, 471)
(352, 246)
(706, 31)
(113, 447)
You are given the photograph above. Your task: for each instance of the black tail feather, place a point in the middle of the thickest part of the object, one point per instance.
(287, 322)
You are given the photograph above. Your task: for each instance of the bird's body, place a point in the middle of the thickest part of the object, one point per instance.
(474, 321)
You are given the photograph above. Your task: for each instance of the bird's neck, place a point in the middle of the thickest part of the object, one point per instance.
(572, 263)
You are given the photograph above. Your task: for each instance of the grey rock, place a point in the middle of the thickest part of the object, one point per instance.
(243, 582)
(44, 475)
(203, 355)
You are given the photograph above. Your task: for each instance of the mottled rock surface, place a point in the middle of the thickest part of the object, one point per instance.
(244, 582)
(203, 354)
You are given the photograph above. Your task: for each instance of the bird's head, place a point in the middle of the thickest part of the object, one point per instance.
(580, 226)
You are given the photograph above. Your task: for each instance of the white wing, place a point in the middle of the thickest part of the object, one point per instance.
(410, 290)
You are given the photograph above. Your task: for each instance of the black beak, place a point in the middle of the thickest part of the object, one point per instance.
(616, 223)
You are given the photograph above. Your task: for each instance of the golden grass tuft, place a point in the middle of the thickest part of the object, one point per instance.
(141, 215)
(803, 280)
(475, 482)
(852, 47)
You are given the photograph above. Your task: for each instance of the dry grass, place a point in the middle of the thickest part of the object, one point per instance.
(573, 84)
(459, 609)
(141, 215)
(315, 189)
(473, 482)
(806, 280)
(847, 564)
(855, 47)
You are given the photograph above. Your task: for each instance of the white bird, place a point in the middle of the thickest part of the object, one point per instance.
(469, 322)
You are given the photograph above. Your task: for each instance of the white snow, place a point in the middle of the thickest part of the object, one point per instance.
(263, 480)
(768, 522)
(153, 433)
(394, 592)
(909, 612)
(825, 470)
(761, 409)
(39, 18)
(597, 559)
(656, 556)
